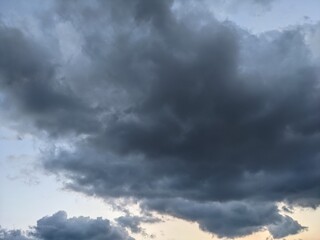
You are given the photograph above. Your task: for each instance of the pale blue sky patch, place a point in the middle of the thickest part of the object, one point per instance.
(28, 194)
(277, 15)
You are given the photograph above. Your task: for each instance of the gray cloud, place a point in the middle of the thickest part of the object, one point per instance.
(285, 227)
(234, 6)
(229, 219)
(12, 235)
(134, 222)
(130, 222)
(59, 227)
(170, 103)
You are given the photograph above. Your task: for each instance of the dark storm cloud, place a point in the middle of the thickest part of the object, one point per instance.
(174, 104)
(59, 227)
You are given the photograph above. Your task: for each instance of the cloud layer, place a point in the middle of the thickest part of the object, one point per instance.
(190, 116)
(59, 227)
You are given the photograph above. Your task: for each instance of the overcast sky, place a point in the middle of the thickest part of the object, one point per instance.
(159, 119)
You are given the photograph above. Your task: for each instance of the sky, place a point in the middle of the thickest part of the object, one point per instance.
(168, 120)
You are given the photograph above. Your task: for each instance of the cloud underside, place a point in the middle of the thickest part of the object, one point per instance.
(58, 226)
(192, 117)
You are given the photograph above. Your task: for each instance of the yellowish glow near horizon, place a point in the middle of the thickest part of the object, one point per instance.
(177, 229)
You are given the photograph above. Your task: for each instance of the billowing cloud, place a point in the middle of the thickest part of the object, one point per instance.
(59, 227)
(167, 104)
